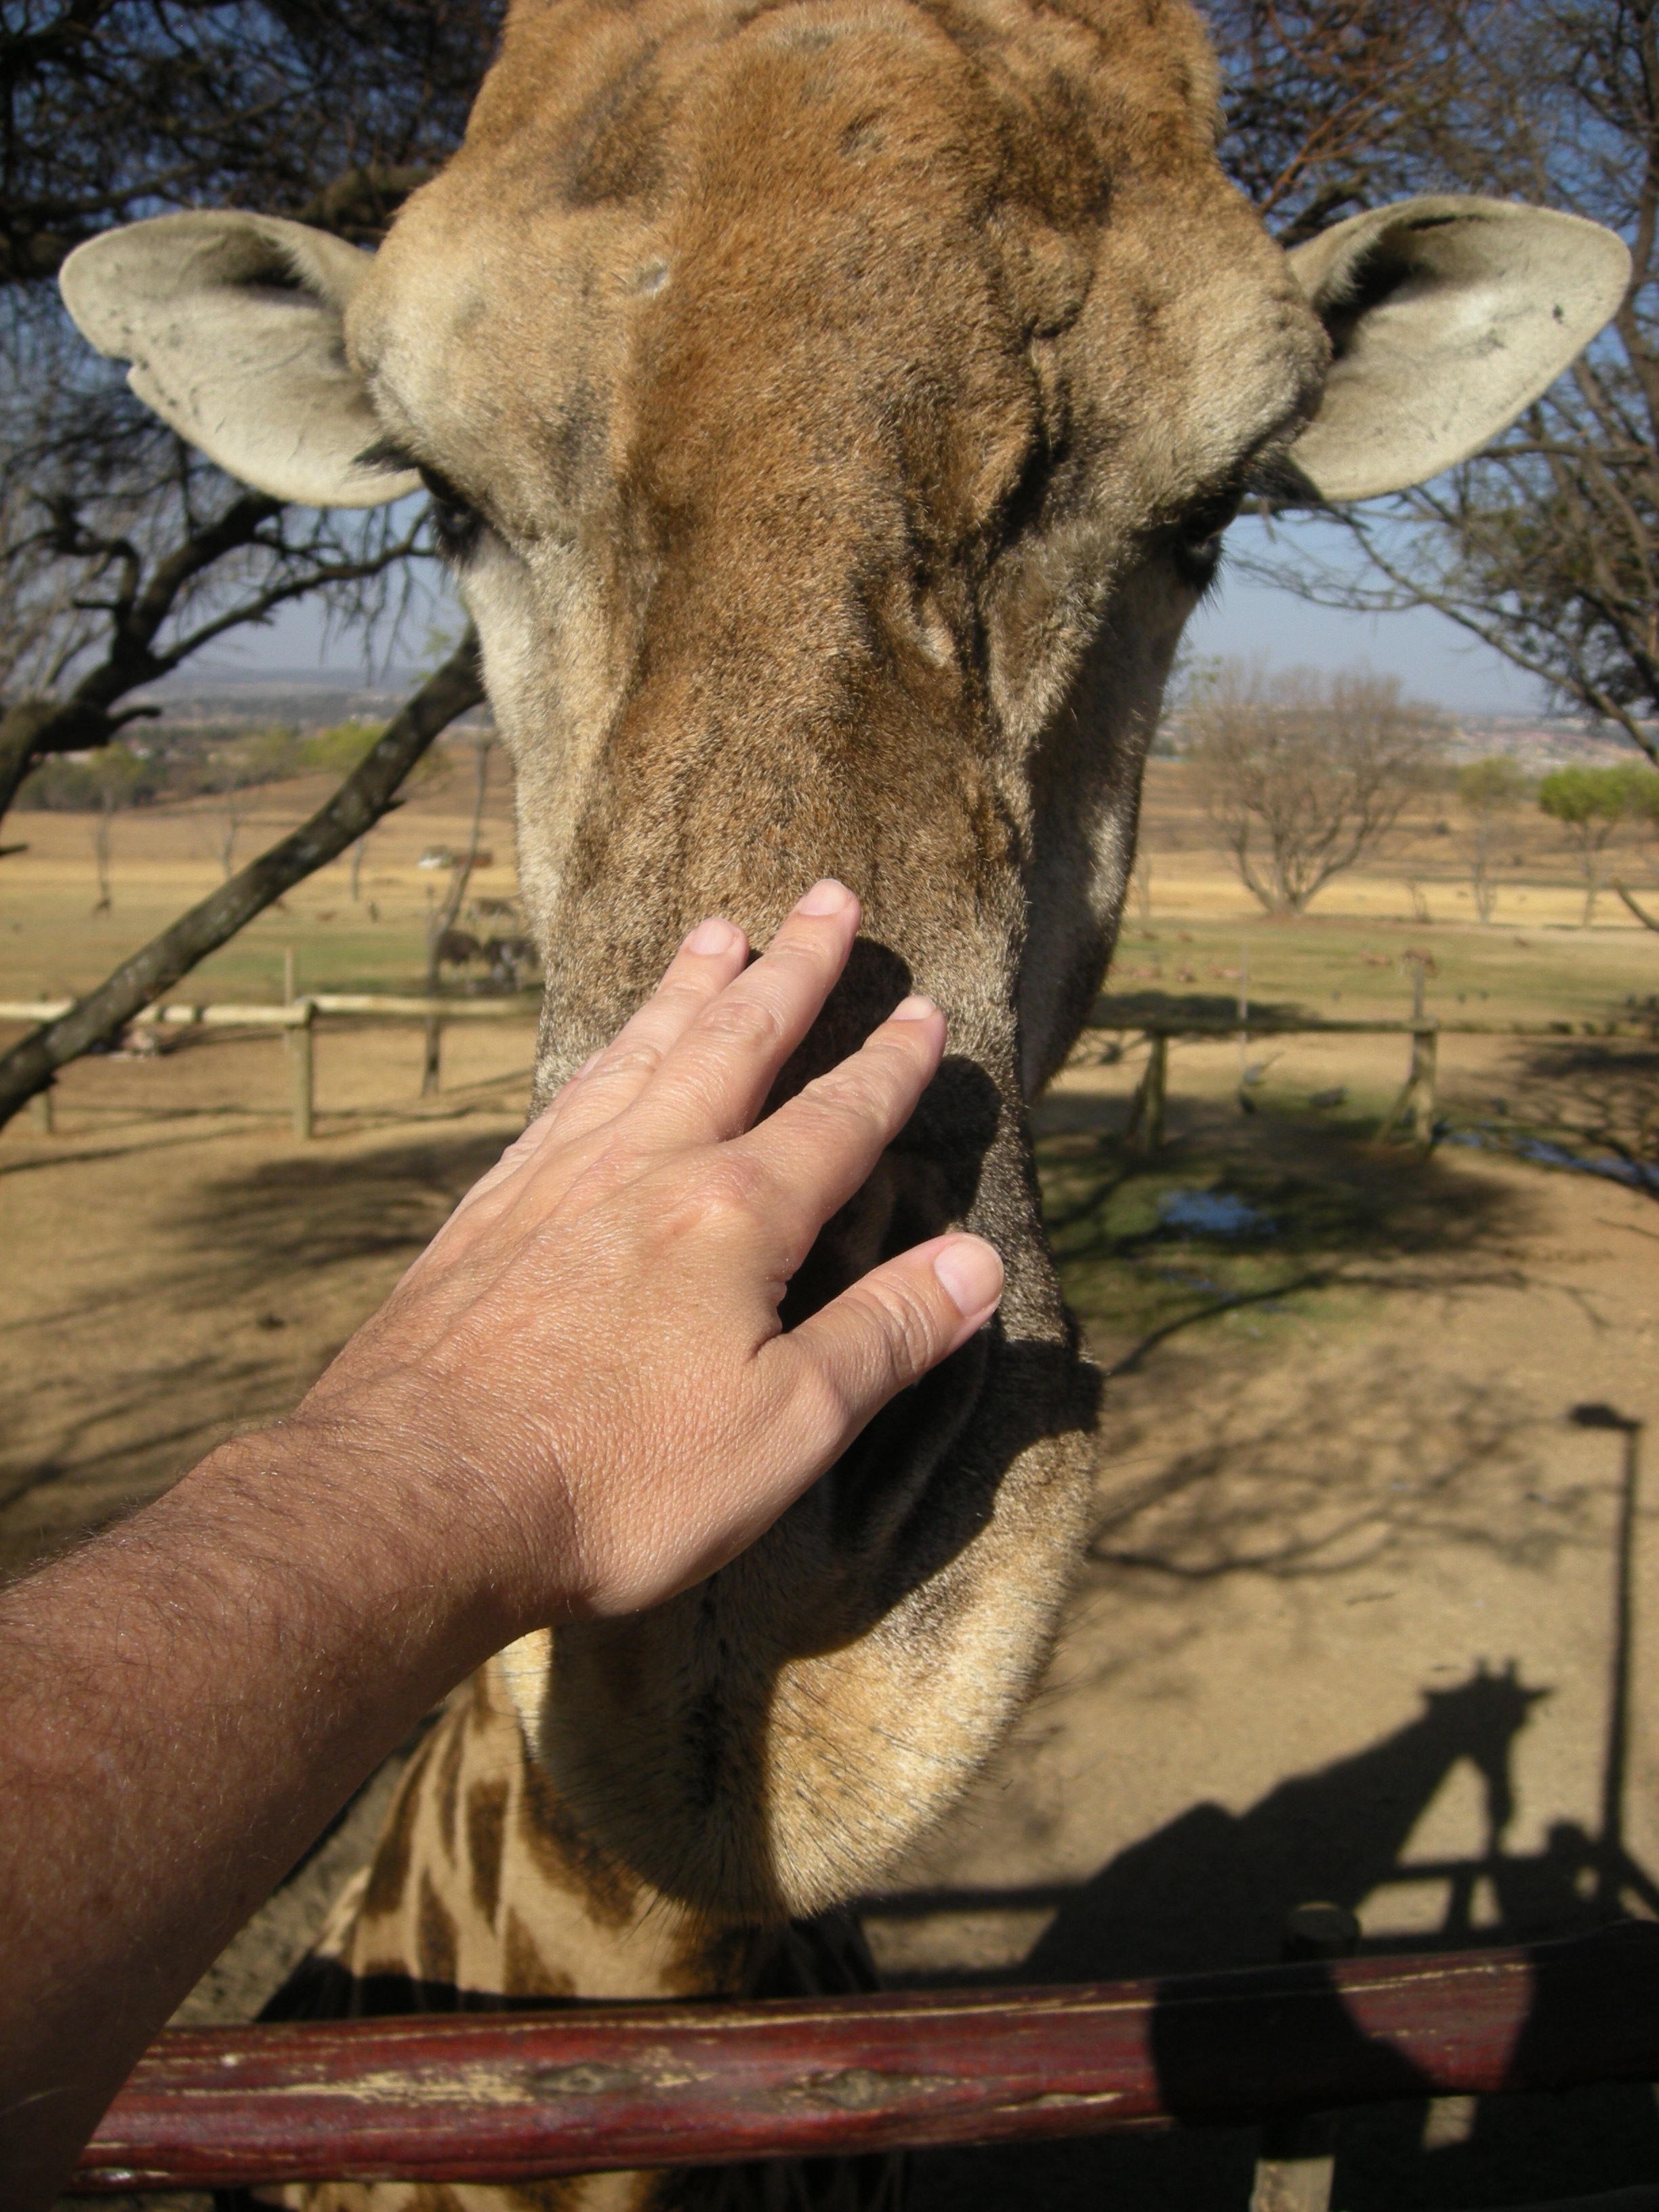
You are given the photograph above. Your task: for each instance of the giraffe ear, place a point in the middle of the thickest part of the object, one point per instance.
(1446, 317)
(235, 325)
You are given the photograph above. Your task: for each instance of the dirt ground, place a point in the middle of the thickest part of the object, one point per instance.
(1350, 1626)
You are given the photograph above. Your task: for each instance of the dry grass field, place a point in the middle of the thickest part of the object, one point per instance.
(1347, 1626)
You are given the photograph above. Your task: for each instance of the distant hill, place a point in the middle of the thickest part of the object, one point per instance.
(1539, 742)
(302, 698)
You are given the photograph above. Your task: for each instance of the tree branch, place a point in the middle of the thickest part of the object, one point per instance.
(359, 803)
(1647, 920)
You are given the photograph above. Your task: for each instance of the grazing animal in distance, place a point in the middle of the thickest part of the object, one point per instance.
(832, 409)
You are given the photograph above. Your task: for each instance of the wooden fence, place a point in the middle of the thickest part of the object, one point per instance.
(517, 2096)
(1415, 1108)
(297, 1021)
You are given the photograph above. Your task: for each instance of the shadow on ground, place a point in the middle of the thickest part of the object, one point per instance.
(285, 1220)
(1212, 1889)
(1239, 1218)
(240, 1291)
(1598, 1100)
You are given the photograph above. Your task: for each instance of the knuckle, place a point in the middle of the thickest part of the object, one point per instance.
(822, 1405)
(638, 1057)
(742, 1021)
(725, 1194)
(906, 1328)
(857, 1088)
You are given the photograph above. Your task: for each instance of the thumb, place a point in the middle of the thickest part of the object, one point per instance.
(897, 1322)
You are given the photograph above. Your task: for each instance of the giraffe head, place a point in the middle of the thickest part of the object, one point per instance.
(833, 410)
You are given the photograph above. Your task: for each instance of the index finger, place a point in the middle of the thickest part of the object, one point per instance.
(713, 1081)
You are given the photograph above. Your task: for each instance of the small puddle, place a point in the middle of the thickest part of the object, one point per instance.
(1211, 1214)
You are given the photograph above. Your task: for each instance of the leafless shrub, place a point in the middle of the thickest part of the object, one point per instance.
(1303, 773)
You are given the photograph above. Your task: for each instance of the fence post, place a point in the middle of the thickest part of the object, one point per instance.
(1146, 1115)
(1416, 1103)
(432, 1058)
(1297, 2162)
(1426, 1056)
(301, 1063)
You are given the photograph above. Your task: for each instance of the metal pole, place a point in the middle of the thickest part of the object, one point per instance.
(300, 1058)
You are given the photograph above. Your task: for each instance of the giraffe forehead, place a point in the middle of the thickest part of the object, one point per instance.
(831, 207)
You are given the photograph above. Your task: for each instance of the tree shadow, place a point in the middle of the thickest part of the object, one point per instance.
(286, 1219)
(1297, 1209)
(1596, 1102)
(287, 1257)
(1397, 1467)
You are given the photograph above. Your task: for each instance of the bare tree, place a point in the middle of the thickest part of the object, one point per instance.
(121, 552)
(330, 112)
(1303, 773)
(1544, 546)
(1319, 95)
(1489, 791)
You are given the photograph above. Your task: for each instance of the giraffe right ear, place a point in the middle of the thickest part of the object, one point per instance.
(1446, 317)
(235, 325)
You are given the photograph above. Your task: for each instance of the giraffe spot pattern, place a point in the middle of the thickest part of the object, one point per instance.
(449, 1785)
(524, 1972)
(437, 1943)
(486, 1834)
(388, 1876)
(569, 1860)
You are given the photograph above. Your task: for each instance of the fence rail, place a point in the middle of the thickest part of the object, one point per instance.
(1416, 1106)
(518, 2096)
(1159, 1024)
(296, 1018)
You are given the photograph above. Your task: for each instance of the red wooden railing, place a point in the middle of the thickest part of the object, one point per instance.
(510, 2097)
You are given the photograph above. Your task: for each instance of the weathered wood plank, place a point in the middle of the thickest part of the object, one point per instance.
(509, 2097)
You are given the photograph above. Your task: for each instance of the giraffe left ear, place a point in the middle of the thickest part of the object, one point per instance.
(1446, 317)
(234, 324)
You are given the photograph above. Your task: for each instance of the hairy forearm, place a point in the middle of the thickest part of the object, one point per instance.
(578, 1400)
(188, 1698)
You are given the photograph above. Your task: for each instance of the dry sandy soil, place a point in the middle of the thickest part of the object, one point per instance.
(1347, 1628)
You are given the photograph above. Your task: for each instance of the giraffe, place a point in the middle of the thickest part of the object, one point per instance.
(831, 410)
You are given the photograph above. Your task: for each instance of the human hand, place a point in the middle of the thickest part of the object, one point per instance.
(585, 1372)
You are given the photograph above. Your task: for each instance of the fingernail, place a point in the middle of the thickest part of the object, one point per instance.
(826, 897)
(915, 1008)
(971, 1272)
(715, 935)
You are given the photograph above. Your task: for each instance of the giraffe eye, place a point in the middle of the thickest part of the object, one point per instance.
(1198, 542)
(456, 522)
